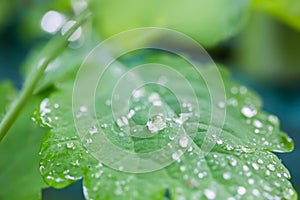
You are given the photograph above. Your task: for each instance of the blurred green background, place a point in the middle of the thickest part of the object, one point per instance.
(258, 40)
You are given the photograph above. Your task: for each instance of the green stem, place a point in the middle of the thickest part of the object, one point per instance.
(54, 48)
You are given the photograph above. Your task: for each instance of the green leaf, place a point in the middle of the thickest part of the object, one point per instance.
(208, 22)
(19, 159)
(286, 10)
(240, 165)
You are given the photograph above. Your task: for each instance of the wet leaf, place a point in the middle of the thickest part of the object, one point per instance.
(208, 22)
(287, 11)
(239, 166)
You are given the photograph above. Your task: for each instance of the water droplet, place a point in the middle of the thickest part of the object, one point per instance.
(268, 173)
(250, 181)
(286, 175)
(256, 131)
(260, 161)
(122, 121)
(255, 192)
(234, 90)
(83, 109)
(255, 166)
(89, 141)
(288, 193)
(245, 168)
(79, 5)
(271, 167)
(241, 190)
(108, 102)
(103, 125)
(76, 35)
(226, 175)
(70, 145)
(175, 156)
(156, 123)
(93, 130)
(248, 112)
(56, 105)
(233, 162)
(210, 194)
(130, 114)
(182, 168)
(233, 102)
(201, 175)
(273, 119)
(182, 118)
(184, 141)
(257, 123)
(171, 137)
(219, 141)
(221, 104)
(52, 21)
(228, 147)
(243, 90)
(44, 110)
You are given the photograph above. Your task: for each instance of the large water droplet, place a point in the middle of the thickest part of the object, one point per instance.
(156, 123)
(52, 21)
(248, 112)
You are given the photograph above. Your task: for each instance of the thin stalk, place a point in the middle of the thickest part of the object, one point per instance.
(56, 46)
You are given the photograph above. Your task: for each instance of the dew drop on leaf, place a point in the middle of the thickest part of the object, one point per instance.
(271, 167)
(241, 190)
(248, 112)
(209, 194)
(156, 123)
(183, 142)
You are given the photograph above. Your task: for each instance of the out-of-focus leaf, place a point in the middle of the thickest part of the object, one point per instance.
(209, 22)
(240, 166)
(286, 10)
(19, 159)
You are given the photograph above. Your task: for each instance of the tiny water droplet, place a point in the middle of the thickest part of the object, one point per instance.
(93, 130)
(250, 181)
(248, 112)
(226, 176)
(257, 123)
(273, 119)
(182, 168)
(210, 194)
(221, 104)
(70, 145)
(255, 166)
(271, 167)
(175, 156)
(219, 141)
(184, 141)
(241, 190)
(256, 192)
(260, 161)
